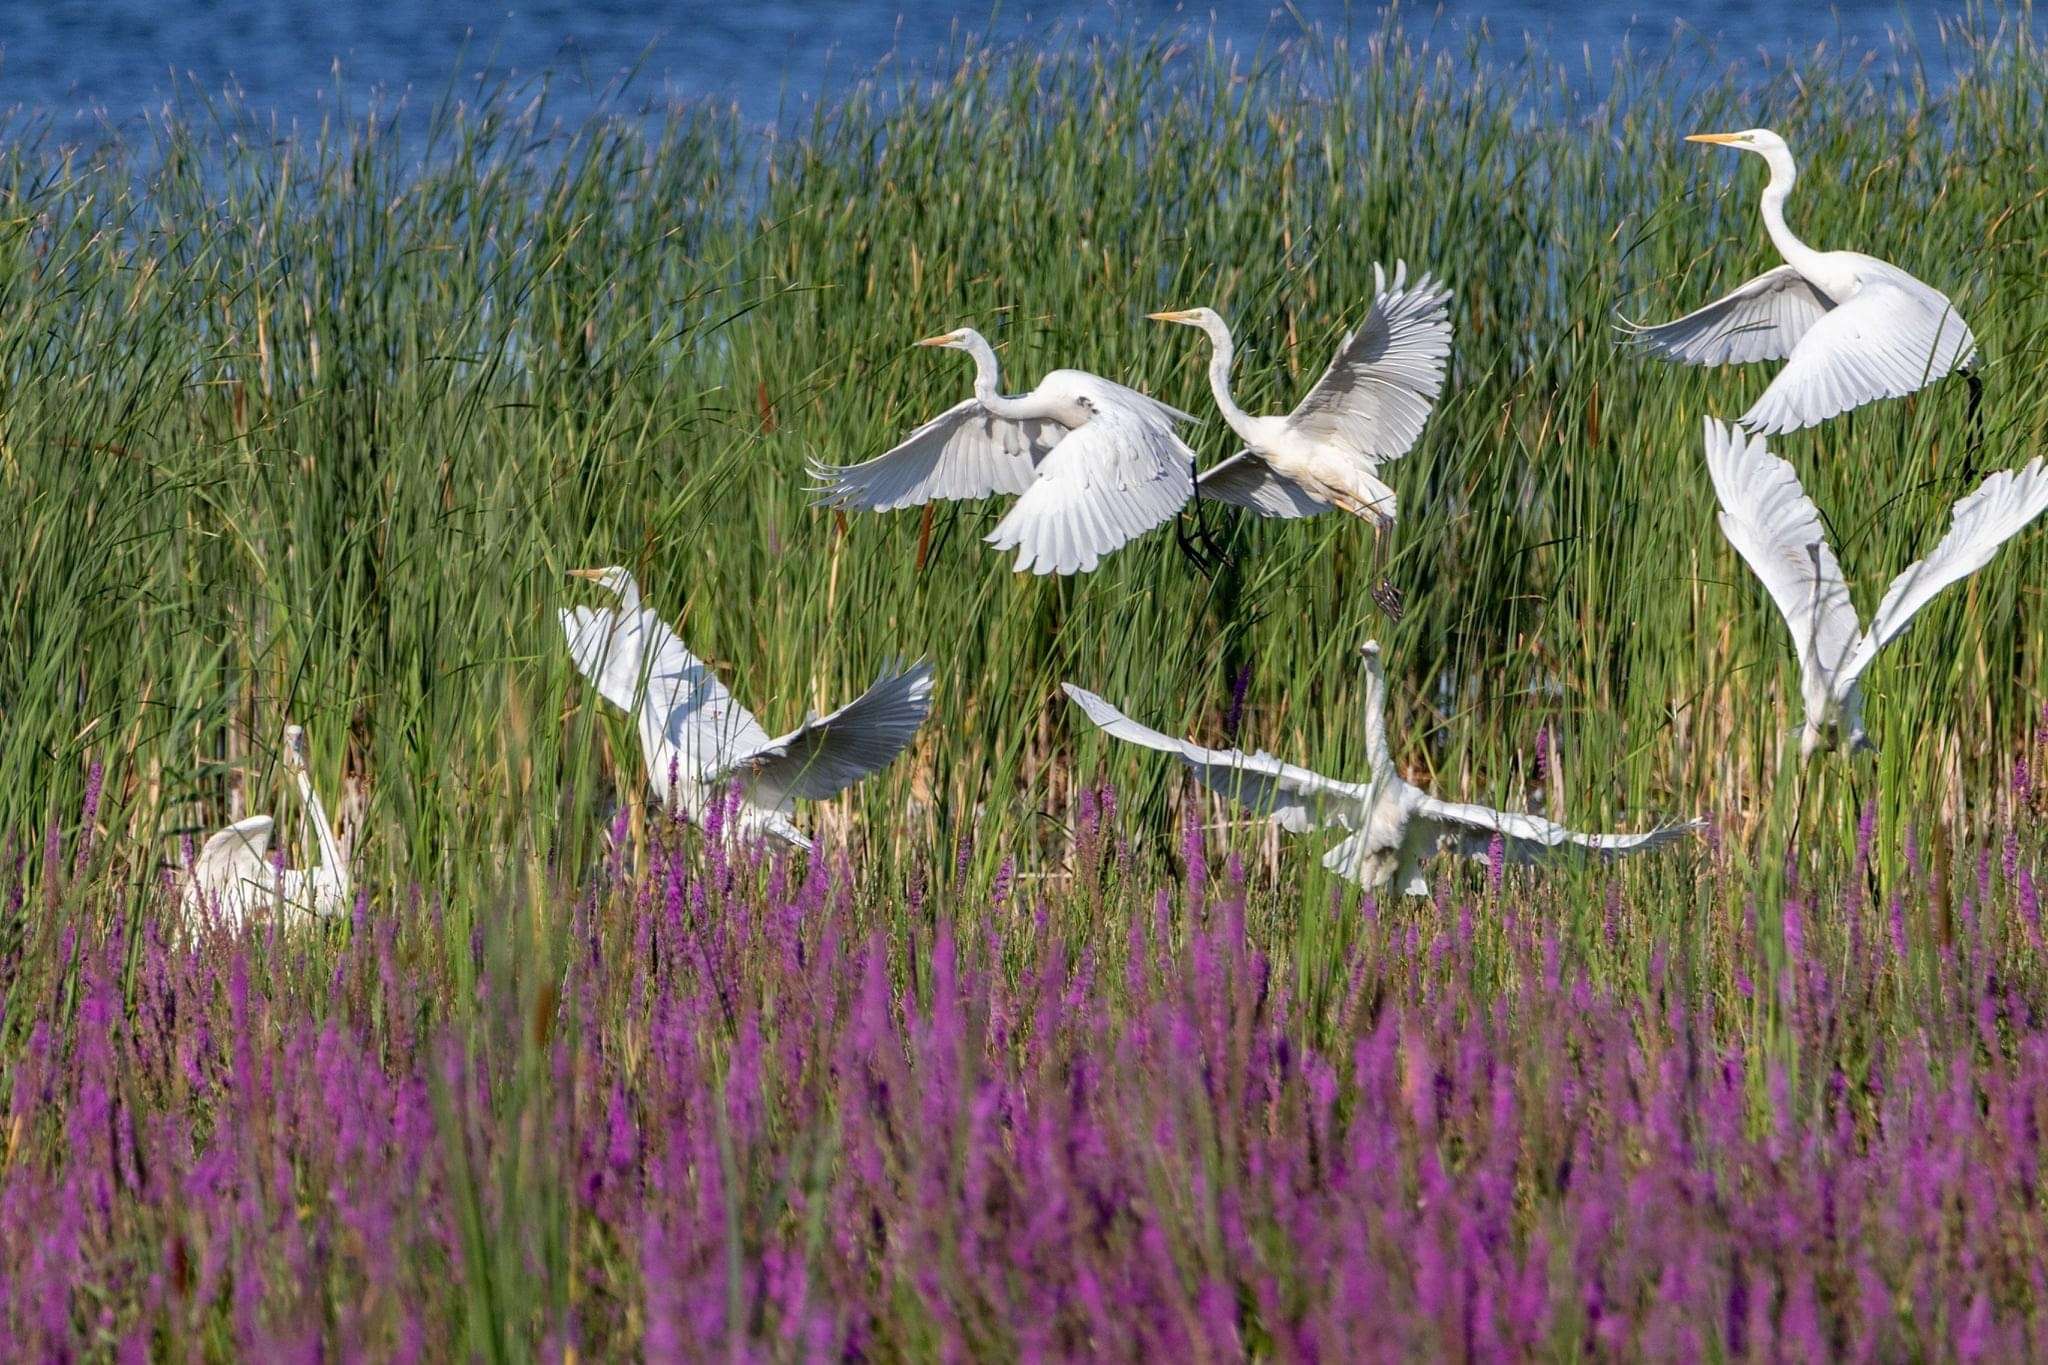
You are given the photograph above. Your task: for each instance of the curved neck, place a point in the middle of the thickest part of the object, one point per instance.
(1224, 352)
(1377, 751)
(332, 861)
(1784, 175)
(987, 374)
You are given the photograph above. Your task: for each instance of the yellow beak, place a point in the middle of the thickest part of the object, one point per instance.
(940, 340)
(1725, 139)
(1181, 315)
(592, 574)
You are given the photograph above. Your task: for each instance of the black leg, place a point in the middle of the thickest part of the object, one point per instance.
(1384, 592)
(1976, 383)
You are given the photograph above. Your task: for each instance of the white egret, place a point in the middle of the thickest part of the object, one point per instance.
(1367, 409)
(1395, 826)
(1852, 329)
(1096, 463)
(1774, 526)
(233, 882)
(698, 742)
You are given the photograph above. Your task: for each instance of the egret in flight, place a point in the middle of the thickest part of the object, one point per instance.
(698, 742)
(1395, 827)
(1367, 409)
(1095, 464)
(1852, 329)
(233, 882)
(1774, 526)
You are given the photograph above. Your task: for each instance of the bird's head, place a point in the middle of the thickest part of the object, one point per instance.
(613, 579)
(956, 340)
(1204, 318)
(1369, 655)
(1762, 141)
(295, 748)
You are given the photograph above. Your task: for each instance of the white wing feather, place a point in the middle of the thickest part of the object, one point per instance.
(1762, 320)
(1297, 799)
(826, 755)
(1895, 336)
(1115, 478)
(1380, 386)
(1470, 830)
(642, 667)
(964, 452)
(1245, 480)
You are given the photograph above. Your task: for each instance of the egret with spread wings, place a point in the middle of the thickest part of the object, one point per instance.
(1775, 527)
(699, 742)
(1094, 464)
(1367, 409)
(1394, 827)
(1850, 328)
(233, 882)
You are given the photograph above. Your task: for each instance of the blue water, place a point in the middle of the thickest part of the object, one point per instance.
(88, 65)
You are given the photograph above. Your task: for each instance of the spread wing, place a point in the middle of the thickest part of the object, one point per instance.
(1378, 391)
(1998, 510)
(642, 667)
(1894, 337)
(1296, 799)
(239, 853)
(1774, 526)
(1470, 830)
(964, 452)
(1245, 480)
(1762, 320)
(828, 754)
(1113, 479)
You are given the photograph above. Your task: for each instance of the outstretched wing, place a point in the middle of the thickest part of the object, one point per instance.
(1245, 480)
(1762, 320)
(1774, 526)
(1471, 830)
(239, 853)
(642, 667)
(1998, 510)
(964, 452)
(827, 754)
(1115, 478)
(1296, 799)
(1378, 391)
(1895, 337)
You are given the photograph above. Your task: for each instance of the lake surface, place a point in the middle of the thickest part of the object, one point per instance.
(109, 63)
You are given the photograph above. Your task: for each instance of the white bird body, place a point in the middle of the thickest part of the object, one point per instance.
(1395, 827)
(1367, 409)
(699, 742)
(1851, 328)
(1096, 464)
(233, 882)
(1776, 529)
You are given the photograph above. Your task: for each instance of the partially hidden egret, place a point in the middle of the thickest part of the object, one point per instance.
(1367, 409)
(698, 742)
(1775, 527)
(1396, 827)
(1852, 329)
(233, 882)
(1095, 464)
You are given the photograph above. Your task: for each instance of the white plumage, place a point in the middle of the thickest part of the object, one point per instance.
(1395, 827)
(1097, 464)
(232, 882)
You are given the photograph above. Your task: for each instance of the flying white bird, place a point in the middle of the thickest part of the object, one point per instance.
(1367, 409)
(698, 742)
(1773, 525)
(1852, 329)
(1096, 464)
(1395, 827)
(233, 882)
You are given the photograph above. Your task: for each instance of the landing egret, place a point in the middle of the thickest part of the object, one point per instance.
(1851, 328)
(698, 742)
(1367, 409)
(233, 882)
(1396, 827)
(1774, 526)
(1097, 464)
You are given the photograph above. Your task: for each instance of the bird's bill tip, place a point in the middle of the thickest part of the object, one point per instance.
(1171, 315)
(592, 574)
(1722, 139)
(942, 339)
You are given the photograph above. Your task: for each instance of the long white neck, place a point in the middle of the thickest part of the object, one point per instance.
(987, 374)
(1219, 378)
(1784, 175)
(1378, 752)
(333, 864)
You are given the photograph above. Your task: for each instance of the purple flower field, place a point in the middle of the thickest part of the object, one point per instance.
(719, 1111)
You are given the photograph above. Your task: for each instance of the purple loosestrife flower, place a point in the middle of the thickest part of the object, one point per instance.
(1233, 717)
(94, 777)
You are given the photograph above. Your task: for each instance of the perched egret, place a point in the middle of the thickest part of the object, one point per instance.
(1096, 464)
(698, 742)
(1367, 409)
(1852, 329)
(1395, 827)
(233, 882)
(1773, 525)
